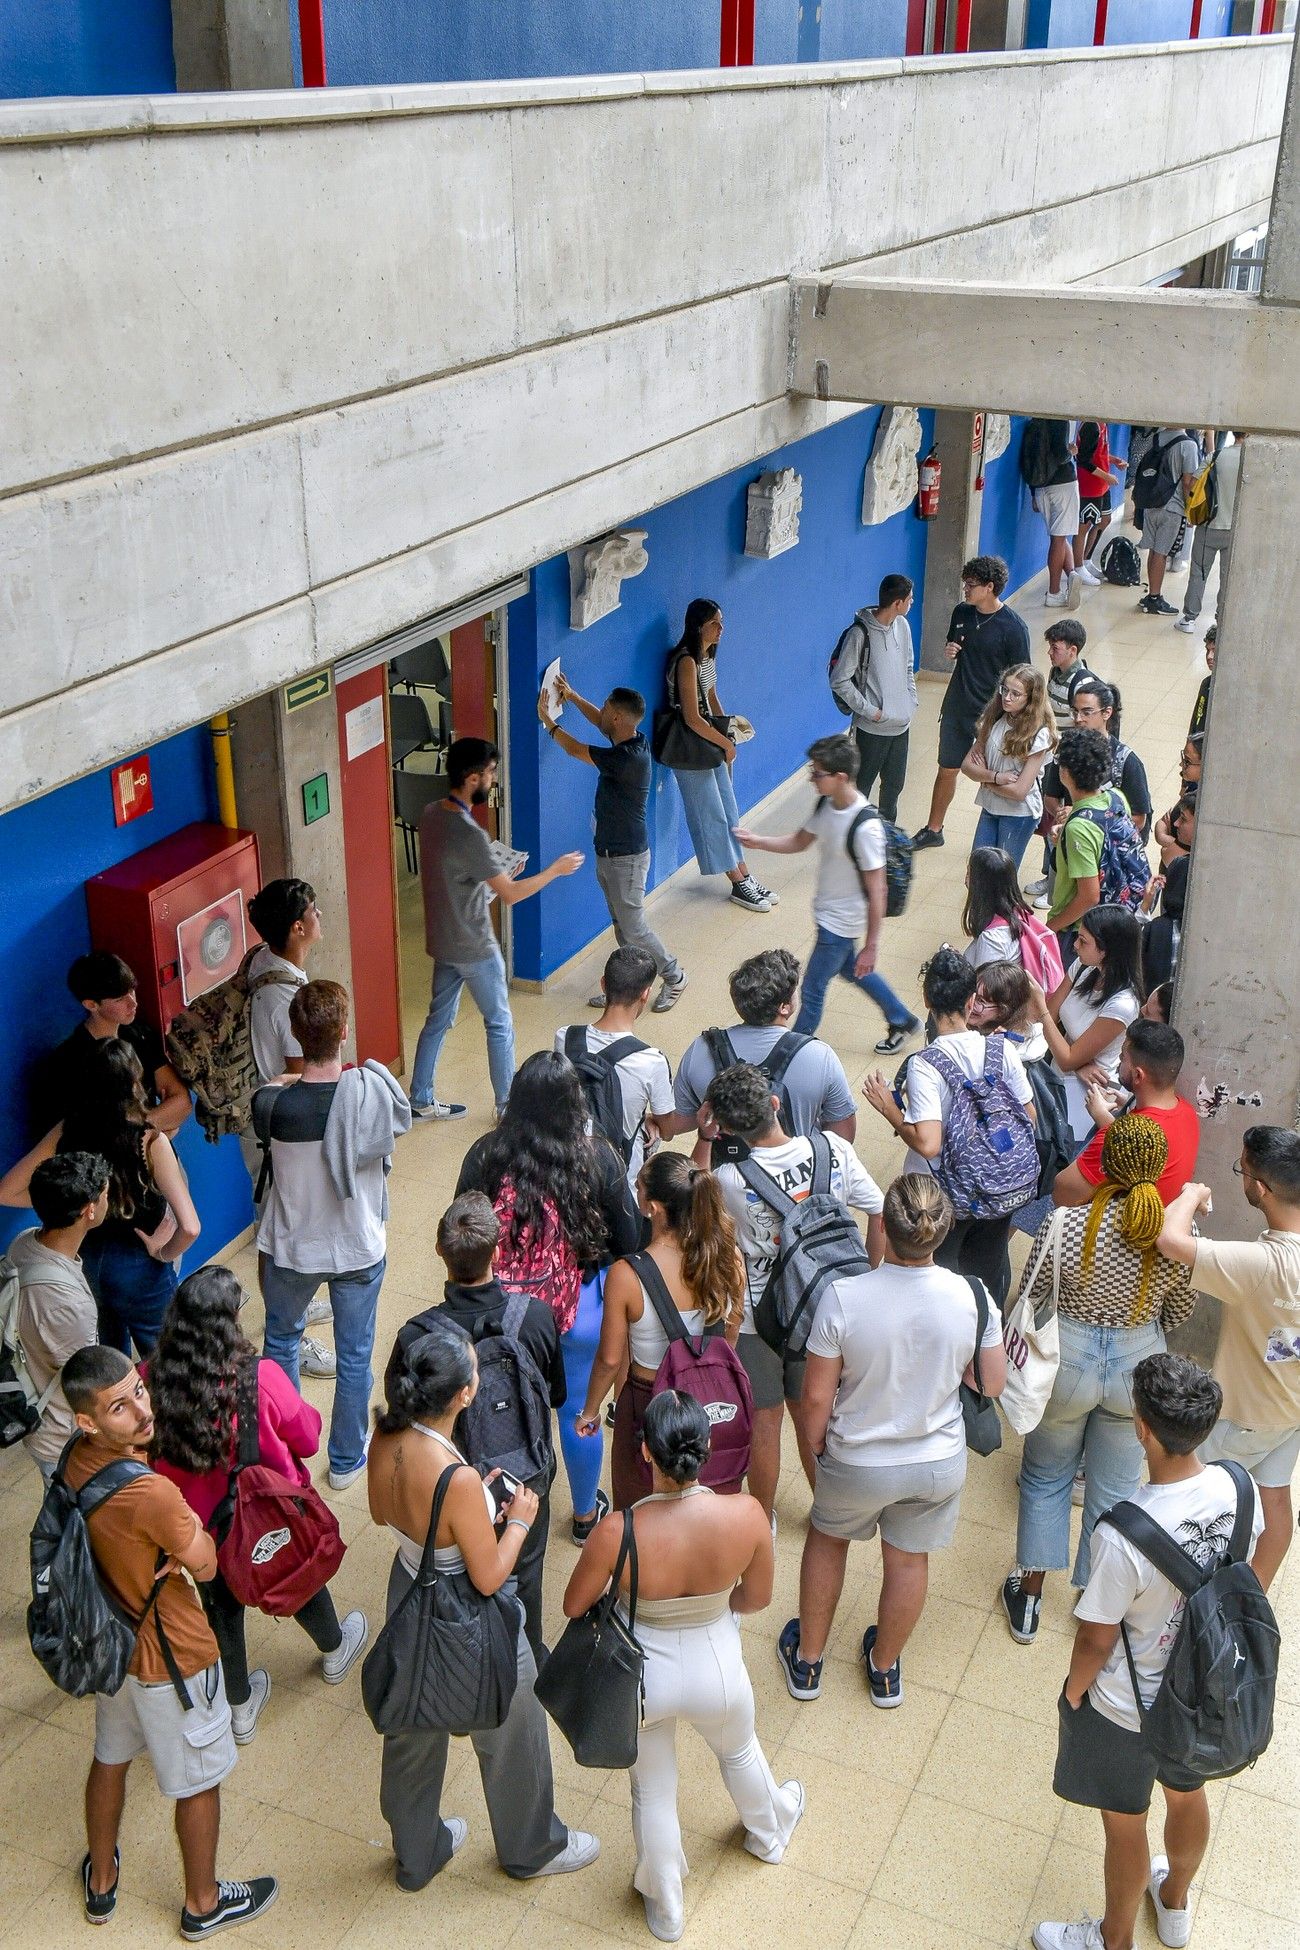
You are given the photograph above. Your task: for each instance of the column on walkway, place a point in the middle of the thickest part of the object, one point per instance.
(953, 536)
(218, 44)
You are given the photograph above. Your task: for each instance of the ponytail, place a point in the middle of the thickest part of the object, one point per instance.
(703, 1229)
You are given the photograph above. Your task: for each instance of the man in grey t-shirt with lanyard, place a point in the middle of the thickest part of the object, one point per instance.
(458, 873)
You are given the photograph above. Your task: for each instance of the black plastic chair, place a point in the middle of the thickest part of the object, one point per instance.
(412, 792)
(410, 726)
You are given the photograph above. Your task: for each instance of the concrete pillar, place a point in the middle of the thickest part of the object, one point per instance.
(219, 44)
(275, 753)
(953, 536)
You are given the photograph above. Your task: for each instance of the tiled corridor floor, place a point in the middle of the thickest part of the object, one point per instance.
(933, 1828)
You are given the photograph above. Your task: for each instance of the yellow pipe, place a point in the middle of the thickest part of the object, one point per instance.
(225, 770)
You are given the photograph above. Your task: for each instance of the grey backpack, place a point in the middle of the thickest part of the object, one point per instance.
(819, 1242)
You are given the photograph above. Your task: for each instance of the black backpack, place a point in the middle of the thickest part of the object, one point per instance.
(598, 1069)
(1053, 1138)
(1120, 563)
(1037, 461)
(899, 857)
(508, 1423)
(1153, 481)
(729, 1150)
(819, 1242)
(84, 1640)
(861, 666)
(1213, 1710)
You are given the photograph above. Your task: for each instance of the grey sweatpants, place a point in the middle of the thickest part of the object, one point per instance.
(514, 1763)
(622, 878)
(1208, 543)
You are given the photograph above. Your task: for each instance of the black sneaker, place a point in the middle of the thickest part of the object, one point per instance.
(583, 1526)
(926, 836)
(237, 1902)
(1157, 606)
(748, 893)
(886, 1687)
(803, 1677)
(897, 1034)
(1022, 1609)
(101, 1909)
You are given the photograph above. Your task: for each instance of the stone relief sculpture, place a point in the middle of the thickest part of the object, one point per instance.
(890, 480)
(772, 513)
(997, 434)
(598, 571)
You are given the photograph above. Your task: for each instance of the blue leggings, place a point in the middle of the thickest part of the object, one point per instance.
(583, 1454)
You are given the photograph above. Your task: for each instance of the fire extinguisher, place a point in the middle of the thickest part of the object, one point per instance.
(928, 479)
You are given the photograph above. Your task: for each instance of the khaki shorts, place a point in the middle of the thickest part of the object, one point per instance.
(914, 1506)
(191, 1752)
(1269, 1454)
(1059, 507)
(773, 1378)
(1161, 528)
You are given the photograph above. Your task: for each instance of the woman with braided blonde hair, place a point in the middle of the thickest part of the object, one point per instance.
(1117, 1299)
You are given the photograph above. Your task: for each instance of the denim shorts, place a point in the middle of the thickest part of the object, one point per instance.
(1100, 1764)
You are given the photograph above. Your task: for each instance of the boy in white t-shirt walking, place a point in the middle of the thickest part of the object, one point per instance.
(850, 894)
(645, 1081)
(1103, 1760)
(743, 1106)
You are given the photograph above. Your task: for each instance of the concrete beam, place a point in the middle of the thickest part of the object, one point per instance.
(1207, 358)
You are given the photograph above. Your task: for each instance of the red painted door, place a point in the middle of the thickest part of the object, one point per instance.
(474, 694)
(368, 855)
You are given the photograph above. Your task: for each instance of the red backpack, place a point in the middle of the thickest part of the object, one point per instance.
(278, 1542)
(545, 1267)
(706, 1367)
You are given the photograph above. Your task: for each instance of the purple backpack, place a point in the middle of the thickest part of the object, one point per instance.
(988, 1164)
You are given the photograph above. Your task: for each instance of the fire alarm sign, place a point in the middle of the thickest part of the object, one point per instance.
(132, 790)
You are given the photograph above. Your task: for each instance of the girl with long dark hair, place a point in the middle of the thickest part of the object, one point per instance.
(996, 913)
(130, 1260)
(566, 1210)
(197, 1372)
(1085, 1018)
(693, 1244)
(708, 796)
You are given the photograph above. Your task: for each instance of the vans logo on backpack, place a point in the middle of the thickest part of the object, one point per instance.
(269, 1544)
(721, 1412)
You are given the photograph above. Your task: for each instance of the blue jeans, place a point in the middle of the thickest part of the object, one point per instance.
(1088, 1422)
(709, 799)
(132, 1290)
(583, 1454)
(486, 982)
(835, 955)
(354, 1298)
(1008, 830)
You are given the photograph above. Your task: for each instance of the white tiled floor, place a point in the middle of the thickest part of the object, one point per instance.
(933, 1828)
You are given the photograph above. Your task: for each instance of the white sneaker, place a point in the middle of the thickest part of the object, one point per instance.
(1173, 1926)
(243, 1719)
(337, 1664)
(1035, 889)
(580, 1850)
(1074, 591)
(315, 1359)
(660, 1924)
(764, 1854)
(1085, 1935)
(319, 1313)
(343, 1479)
(1089, 574)
(439, 1113)
(1187, 624)
(1059, 600)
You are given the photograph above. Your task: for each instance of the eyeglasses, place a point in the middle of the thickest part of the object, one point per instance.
(1010, 690)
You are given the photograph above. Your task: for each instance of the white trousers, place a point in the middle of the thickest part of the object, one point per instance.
(699, 1675)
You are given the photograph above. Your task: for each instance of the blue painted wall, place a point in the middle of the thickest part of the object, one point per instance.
(782, 620)
(1008, 525)
(476, 40)
(86, 47)
(1070, 23)
(860, 30)
(48, 849)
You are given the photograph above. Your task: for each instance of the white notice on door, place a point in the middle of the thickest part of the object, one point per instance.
(364, 727)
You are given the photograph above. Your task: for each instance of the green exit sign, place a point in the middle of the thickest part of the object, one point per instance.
(315, 799)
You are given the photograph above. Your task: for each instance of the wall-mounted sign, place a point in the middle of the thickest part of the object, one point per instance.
(315, 799)
(132, 790)
(977, 433)
(308, 690)
(363, 728)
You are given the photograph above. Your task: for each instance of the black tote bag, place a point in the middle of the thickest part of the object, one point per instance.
(447, 1659)
(676, 745)
(592, 1683)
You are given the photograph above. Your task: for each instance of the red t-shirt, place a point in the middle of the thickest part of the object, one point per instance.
(1093, 484)
(1182, 1129)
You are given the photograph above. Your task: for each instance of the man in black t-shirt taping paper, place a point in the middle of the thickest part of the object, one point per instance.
(104, 987)
(622, 835)
(984, 639)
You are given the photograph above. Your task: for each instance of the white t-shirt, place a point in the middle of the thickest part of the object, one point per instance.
(997, 943)
(928, 1098)
(646, 1083)
(758, 1229)
(840, 901)
(268, 1014)
(1078, 1013)
(1199, 1515)
(905, 1335)
(990, 799)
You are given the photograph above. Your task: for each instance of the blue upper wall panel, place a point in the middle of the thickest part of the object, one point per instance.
(86, 47)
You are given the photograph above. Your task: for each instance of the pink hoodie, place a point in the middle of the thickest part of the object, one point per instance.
(288, 1430)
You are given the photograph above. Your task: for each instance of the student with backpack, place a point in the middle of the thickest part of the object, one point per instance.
(783, 1185)
(521, 1376)
(1162, 481)
(1000, 922)
(1085, 1018)
(873, 681)
(1003, 999)
(672, 1314)
(1138, 1628)
(1047, 467)
(851, 894)
(171, 1704)
(1218, 486)
(967, 1117)
(566, 1211)
(882, 1415)
(628, 1084)
(1098, 854)
(1095, 469)
(201, 1373)
(47, 1310)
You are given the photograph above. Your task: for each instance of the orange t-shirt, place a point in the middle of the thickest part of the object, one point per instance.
(1182, 1129)
(126, 1535)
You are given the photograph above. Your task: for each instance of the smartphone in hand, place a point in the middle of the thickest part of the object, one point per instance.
(501, 1488)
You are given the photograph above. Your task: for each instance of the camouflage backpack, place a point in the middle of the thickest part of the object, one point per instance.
(210, 1047)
